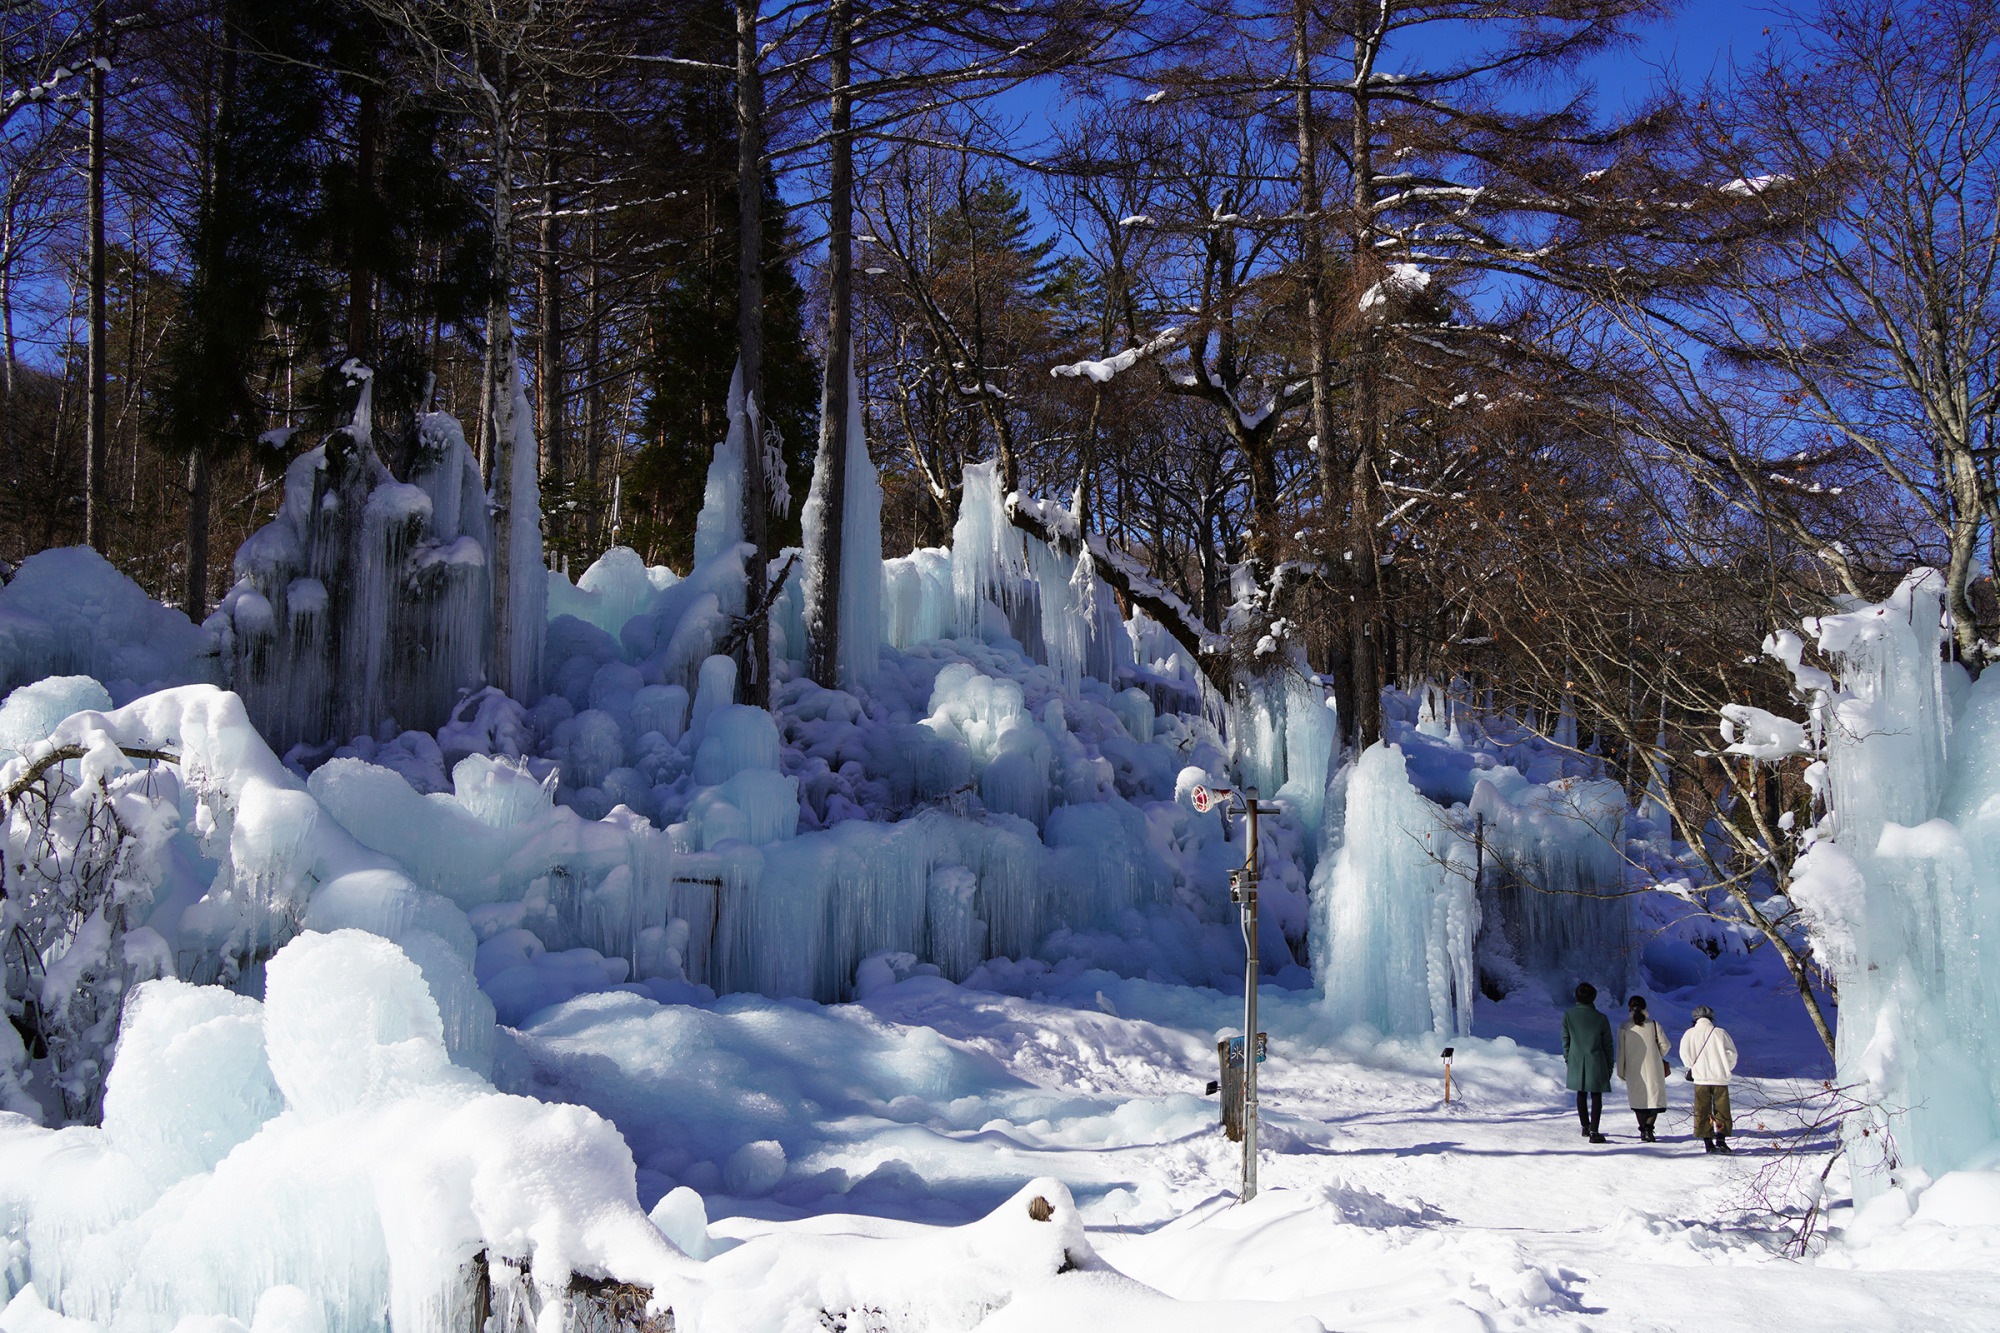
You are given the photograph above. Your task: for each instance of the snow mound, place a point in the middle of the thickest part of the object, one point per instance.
(321, 1142)
(904, 1278)
(31, 712)
(68, 612)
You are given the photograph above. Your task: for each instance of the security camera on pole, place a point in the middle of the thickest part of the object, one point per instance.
(1243, 892)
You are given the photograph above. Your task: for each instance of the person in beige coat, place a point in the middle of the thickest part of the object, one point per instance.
(1710, 1058)
(1642, 1063)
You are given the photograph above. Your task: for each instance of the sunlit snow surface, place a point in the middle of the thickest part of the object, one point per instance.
(879, 1156)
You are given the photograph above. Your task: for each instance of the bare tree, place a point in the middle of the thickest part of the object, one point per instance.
(1870, 317)
(490, 54)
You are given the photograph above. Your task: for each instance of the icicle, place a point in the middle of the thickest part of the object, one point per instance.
(1565, 732)
(1068, 612)
(719, 526)
(987, 559)
(1560, 852)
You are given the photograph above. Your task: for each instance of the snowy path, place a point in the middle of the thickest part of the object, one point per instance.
(1382, 1208)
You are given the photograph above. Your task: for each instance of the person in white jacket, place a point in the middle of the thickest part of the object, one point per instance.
(1710, 1058)
(1642, 1063)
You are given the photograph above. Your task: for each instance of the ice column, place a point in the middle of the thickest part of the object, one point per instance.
(1396, 911)
(987, 559)
(918, 604)
(1312, 738)
(719, 526)
(1904, 900)
(861, 574)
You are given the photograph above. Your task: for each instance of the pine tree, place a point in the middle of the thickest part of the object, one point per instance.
(260, 177)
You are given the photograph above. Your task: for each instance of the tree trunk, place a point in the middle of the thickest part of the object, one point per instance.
(550, 346)
(485, 431)
(1312, 255)
(194, 595)
(194, 588)
(499, 388)
(823, 560)
(10, 453)
(96, 504)
(1967, 508)
(1362, 560)
(593, 400)
(360, 281)
(750, 337)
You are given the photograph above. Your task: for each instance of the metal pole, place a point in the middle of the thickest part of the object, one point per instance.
(1250, 1003)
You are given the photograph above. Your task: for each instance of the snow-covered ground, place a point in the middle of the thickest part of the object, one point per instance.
(927, 1105)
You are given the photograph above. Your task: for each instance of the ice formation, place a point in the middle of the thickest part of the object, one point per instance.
(1554, 854)
(366, 597)
(31, 712)
(1901, 883)
(320, 1145)
(988, 558)
(919, 602)
(67, 612)
(255, 858)
(1448, 865)
(1398, 909)
(861, 571)
(617, 586)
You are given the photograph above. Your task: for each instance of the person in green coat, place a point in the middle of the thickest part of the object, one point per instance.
(1590, 1054)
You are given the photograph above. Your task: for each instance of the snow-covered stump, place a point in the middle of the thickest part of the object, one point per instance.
(501, 1296)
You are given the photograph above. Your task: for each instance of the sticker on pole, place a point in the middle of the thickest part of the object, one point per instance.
(1206, 800)
(1236, 1050)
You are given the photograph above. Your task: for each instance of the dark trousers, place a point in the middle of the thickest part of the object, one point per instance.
(1711, 1111)
(1647, 1119)
(1590, 1109)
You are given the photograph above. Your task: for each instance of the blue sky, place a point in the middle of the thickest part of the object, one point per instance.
(1696, 42)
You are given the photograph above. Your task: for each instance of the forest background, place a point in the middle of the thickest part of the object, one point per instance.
(1561, 347)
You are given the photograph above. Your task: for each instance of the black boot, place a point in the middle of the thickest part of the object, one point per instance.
(1709, 1144)
(1722, 1145)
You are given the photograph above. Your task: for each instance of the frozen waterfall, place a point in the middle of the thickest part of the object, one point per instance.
(1901, 883)
(366, 598)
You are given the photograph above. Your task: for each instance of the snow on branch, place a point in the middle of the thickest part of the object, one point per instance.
(1102, 371)
(1051, 523)
(1400, 278)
